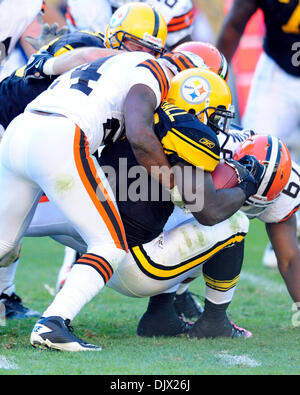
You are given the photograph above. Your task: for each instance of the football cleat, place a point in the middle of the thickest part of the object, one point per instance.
(14, 308)
(56, 333)
(269, 258)
(152, 325)
(187, 307)
(207, 329)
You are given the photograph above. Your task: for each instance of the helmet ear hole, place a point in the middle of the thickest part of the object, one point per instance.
(192, 111)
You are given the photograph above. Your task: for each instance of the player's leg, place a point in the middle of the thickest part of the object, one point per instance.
(79, 189)
(221, 274)
(158, 267)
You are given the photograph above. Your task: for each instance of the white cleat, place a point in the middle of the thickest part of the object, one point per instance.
(56, 333)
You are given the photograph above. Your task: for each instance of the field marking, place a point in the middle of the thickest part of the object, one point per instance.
(239, 360)
(6, 364)
(269, 285)
(50, 289)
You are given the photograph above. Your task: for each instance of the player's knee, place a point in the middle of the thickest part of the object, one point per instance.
(8, 253)
(111, 254)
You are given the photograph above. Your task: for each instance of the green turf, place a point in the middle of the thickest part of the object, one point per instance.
(261, 304)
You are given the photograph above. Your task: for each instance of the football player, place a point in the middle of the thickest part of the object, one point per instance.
(170, 123)
(277, 72)
(16, 92)
(122, 90)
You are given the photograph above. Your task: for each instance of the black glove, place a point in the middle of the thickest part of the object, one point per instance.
(247, 181)
(35, 64)
(48, 34)
(253, 165)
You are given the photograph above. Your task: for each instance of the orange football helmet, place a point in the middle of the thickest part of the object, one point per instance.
(212, 57)
(181, 60)
(271, 152)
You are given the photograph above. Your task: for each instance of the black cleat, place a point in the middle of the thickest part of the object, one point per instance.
(205, 329)
(187, 307)
(14, 308)
(162, 325)
(56, 333)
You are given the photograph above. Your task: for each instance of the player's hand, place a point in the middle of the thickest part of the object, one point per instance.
(48, 34)
(34, 67)
(253, 165)
(246, 181)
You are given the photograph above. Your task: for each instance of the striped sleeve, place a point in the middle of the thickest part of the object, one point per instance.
(158, 73)
(181, 22)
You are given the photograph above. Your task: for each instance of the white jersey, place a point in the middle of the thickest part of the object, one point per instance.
(15, 17)
(93, 95)
(179, 16)
(88, 15)
(288, 201)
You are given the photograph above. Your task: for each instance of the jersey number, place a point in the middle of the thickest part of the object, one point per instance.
(293, 24)
(84, 76)
(292, 189)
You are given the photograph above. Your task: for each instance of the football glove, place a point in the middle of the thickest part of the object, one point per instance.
(35, 64)
(253, 165)
(48, 34)
(246, 181)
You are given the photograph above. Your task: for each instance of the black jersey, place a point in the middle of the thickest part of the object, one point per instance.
(282, 19)
(16, 93)
(143, 204)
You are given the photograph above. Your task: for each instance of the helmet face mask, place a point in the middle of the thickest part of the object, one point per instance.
(138, 23)
(220, 118)
(271, 152)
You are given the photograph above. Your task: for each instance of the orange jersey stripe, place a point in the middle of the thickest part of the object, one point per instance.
(182, 21)
(43, 199)
(85, 164)
(290, 214)
(159, 74)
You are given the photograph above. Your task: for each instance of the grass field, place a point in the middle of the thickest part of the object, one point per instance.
(261, 304)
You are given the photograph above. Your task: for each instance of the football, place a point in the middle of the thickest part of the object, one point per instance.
(224, 176)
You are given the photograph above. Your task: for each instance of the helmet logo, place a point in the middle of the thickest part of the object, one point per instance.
(153, 40)
(195, 89)
(119, 16)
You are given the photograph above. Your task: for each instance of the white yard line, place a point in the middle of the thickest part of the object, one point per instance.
(7, 364)
(50, 290)
(238, 360)
(269, 285)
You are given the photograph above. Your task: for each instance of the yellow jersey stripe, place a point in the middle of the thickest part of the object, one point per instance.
(200, 146)
(169, 272)
(190, 153)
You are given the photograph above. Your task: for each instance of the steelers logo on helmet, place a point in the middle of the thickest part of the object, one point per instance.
(195, 90)
(119, 16)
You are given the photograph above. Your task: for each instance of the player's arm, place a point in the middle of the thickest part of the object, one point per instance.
(139, 108)
(283, 236)
(208, 205)
(234, 25)
(43, 64)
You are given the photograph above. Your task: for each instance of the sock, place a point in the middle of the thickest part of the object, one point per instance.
(7, 277)
(214, 312)
(82, 284)
(161, 302)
